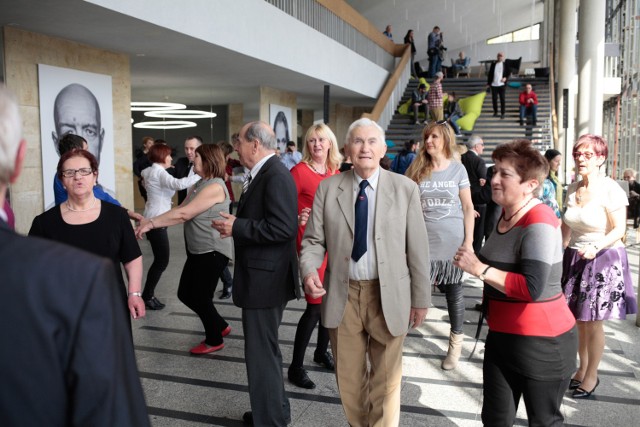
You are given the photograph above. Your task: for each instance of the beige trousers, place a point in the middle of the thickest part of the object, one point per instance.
(370, 395)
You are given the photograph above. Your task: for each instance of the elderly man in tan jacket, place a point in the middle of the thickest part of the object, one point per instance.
(369, 222)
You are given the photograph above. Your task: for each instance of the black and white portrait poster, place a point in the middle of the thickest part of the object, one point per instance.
(77, 102)
(280, 120)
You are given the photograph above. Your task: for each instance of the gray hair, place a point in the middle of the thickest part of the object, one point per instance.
(364, 122)
(632, 171)
(10, 133)
(474, 140)
(263, 133)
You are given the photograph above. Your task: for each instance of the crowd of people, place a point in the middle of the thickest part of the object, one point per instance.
(365, 245)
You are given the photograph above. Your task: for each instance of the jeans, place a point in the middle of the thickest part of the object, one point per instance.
(160, 247)
(533, 109)
(453, 119)
(434, 64)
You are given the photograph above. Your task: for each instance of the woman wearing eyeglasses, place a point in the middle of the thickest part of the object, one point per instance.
(448, 215)
(596, 279)
(88, 223)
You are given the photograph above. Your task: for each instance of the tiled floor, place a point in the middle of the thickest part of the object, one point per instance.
(185, 390)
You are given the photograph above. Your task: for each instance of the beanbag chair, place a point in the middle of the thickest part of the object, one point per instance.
(471, 107)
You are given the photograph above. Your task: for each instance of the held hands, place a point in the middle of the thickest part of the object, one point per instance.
(224, 226)
(313, 286)
(144, 226)
(304, 216)
(588, 252)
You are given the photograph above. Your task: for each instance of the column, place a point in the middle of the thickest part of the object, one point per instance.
(591, 17)
(566, 80)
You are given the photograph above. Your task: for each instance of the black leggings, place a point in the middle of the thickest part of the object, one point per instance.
(197, 284)
(455, 306)
(307, 323)
(503, 388)
(160, 247)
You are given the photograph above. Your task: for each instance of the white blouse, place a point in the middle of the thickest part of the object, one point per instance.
(161, 187)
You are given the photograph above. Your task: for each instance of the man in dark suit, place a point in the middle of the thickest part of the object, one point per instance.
(184, 165)
(66, 356)
(266, 267)
(477, 171)
(497, 81)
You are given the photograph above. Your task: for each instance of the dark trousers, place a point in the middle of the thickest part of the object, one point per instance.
(478, 226)
(263, 359)
(420, 106)
(197, 283)
(498, 91)
(455, 306)
(310, 318)
(227, 280)
(502, 391)
(161, 251)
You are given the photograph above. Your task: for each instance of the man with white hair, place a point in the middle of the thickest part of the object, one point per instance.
(477, 171)
(369, 222)
(66, 355)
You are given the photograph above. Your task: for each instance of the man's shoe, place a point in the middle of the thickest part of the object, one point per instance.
(226, 294)
(495, 114)
(247, 418)
(521, 123)
(501, 116)
(204, 348)
(299, 377)
(158, 302)
(153, 304)
(325, 359)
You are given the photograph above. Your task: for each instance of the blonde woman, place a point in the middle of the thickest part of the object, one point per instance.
(448, 215)
(321, 158)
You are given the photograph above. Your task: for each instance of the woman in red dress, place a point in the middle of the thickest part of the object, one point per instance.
(320, 159)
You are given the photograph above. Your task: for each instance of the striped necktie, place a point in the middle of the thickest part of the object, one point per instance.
(245, 183)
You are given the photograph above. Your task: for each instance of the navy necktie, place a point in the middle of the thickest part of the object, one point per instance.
(361, 218)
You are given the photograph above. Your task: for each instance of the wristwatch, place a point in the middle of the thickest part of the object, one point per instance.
(482, 275)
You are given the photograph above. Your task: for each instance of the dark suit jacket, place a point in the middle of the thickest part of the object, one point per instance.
(492, 70)
(66, 355)
(476, 169)
(181, 170)
(264, 235)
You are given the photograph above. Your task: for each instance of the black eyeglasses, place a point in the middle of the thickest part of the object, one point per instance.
(71, 173)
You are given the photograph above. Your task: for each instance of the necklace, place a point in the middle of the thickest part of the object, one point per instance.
(316, 170)
(580, 191)
(81, 210)
(516, 212)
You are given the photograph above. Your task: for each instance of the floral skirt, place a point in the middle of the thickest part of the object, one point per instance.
(599, 288)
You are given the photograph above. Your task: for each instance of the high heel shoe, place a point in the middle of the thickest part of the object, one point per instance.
(574, 384)
(580, 393)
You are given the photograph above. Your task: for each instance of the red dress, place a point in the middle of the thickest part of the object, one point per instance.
(307, 182)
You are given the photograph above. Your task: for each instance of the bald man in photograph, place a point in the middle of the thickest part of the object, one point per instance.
(76, 110)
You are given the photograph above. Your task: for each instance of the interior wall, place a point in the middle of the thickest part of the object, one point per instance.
(23, 52)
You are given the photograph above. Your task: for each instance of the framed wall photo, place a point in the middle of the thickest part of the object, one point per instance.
(280, 120)
(78, 102)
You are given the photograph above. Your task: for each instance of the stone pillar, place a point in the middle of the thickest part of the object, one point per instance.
(566, 80)
(591, 16)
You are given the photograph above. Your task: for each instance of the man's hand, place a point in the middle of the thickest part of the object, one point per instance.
(224, 226)
(313, 286)
(417, 316)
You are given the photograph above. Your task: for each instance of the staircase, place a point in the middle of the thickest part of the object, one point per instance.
(493, 130)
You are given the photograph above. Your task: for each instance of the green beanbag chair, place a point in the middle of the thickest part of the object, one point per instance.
(471, 107)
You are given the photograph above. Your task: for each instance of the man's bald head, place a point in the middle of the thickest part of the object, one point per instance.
(76, 110)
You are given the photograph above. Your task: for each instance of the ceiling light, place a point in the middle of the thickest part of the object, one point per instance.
(176, 124)
(156, 106)
(180, 114)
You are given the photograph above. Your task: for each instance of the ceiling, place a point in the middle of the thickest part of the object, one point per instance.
(166, 65)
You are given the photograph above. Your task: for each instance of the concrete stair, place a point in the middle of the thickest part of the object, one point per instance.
(493, 130)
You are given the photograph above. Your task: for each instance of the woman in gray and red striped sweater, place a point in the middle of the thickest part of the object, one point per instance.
(532, 340)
